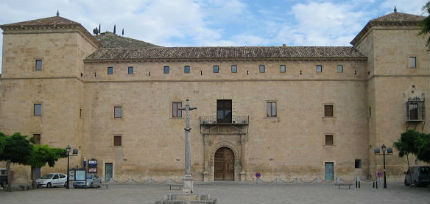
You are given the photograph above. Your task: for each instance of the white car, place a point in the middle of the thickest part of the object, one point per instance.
(52, 180)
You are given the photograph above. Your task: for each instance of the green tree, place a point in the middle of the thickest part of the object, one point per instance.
(2, 142)
(425, 24)
(42, 155)
(17, 149)
(423, 151)
(407, 144)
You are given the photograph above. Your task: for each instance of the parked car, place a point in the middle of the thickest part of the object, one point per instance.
(92, 181)
(417, 175)
(52, 180)
(3, 177)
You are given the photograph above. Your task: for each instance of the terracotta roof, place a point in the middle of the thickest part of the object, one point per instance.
(110, 40)
(195, 53)
(392, 19)
(55, 20)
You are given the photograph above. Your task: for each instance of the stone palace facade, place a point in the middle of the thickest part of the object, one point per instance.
(284, 111)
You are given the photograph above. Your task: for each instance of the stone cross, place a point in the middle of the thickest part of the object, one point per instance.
(188, 179)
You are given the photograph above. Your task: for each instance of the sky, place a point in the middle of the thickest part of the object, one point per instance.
(217, 22)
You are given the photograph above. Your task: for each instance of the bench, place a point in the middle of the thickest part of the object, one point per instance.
(175, 186)
(343, 184)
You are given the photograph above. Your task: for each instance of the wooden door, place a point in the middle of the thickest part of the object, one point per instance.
(224, 165)
(108, 171)
(329, 171)
(224, 111)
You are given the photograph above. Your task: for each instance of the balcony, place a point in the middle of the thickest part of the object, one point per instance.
(233, 121)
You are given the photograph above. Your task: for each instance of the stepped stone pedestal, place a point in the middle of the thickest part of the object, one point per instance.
(186, 198)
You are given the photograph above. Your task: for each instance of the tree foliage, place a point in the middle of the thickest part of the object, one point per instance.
(423, 152)
(416, 143)
(17, 149)
(2, 142)
(43, 154)
(425, 24)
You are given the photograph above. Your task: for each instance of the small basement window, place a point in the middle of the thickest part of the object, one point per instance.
(358, 163)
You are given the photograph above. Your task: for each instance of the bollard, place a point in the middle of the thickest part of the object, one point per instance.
(358, 184)
(373, 184)
(376, 182)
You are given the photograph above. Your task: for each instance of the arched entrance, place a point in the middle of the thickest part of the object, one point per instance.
(224, 164)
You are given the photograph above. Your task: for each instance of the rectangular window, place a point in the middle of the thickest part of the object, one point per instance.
(329, 140)
(216, 69)
(412, 62)
(37, 109)
(36, 138)
(117, 141)
(233, 68)
(319, 68)
(283, 68)
(110, 70)
(415, 110)
(130, 70)
(328, 110)
(339, 68)
(176, 112)
(262, 68)
(187, 69)
(358, 163)
(166, 69)
(271, 109)
(39, 65)
(117, 112)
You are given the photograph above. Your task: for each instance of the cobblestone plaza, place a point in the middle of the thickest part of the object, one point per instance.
(231, 192)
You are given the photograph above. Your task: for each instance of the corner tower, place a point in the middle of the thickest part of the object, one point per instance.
(42, 87)
(398, 84)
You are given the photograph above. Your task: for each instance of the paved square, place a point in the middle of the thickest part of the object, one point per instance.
(225, 193)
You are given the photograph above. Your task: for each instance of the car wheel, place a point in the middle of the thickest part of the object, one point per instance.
(48, 185)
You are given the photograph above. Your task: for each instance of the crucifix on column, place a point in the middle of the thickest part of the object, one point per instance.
(188, 179)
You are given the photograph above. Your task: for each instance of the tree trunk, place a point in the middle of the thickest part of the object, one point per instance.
(9, 176)
(33, 178)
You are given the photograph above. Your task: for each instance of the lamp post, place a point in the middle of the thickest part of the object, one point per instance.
(385, 151)
(74, 153)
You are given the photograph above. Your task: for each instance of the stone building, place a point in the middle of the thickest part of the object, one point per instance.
(283, 111)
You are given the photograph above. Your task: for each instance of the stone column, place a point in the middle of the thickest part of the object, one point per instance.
(188, 179)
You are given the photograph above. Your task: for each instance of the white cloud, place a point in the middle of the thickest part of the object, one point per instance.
(405, 6)
(322, 24)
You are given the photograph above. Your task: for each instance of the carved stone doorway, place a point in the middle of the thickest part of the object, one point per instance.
(224, 164)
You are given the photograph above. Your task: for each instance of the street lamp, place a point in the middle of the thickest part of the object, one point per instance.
(385, 151)
(74, 153)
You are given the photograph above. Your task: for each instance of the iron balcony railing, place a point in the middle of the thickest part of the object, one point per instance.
(235, 120)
